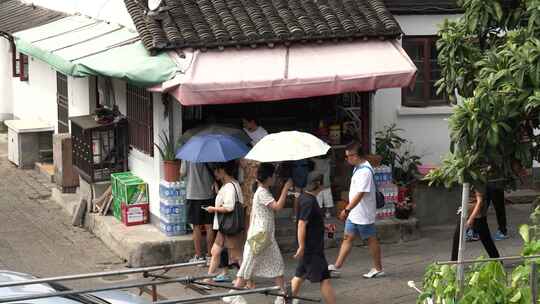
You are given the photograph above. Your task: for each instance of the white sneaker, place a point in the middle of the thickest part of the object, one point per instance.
(197, 259)
(234, 299)
(279, 300)
(334, 271)
(373, 273)
(295, 301)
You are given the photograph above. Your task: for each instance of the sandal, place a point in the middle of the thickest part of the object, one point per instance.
(222, 279)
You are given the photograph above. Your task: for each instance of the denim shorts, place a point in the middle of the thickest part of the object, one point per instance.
(363, 231)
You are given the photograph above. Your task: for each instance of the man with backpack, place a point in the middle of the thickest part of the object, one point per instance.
(360, 213)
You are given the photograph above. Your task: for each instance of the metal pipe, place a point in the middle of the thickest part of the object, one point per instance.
(502, 259)
(185, 280)
(98, 274)
(212, 297)
(461, 249)
(269, 293)
(534, 285)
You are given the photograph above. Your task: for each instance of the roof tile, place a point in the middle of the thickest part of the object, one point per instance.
(16, 16)
(220, 23)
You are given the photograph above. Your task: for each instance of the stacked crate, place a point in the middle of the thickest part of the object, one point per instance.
(172, 207)
(130, 199)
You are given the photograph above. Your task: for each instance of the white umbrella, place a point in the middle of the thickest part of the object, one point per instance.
(289, 145)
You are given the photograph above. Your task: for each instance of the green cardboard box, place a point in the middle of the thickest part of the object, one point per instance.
(117, 208)
(133, 191)
(116, 177)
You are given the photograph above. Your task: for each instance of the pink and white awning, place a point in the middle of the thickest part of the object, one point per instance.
(254, 75)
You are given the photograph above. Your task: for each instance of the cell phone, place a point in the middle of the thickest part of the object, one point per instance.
(204, 208)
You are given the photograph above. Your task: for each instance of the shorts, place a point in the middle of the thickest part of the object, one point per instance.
(196, 215)
(325, 199)
(313, 267)
(363, 231)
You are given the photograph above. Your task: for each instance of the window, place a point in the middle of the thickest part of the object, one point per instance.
(19, 64)
(62, 102)
(423, 53)
(140, 119)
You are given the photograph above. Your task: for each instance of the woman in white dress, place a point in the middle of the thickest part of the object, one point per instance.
(262, 257)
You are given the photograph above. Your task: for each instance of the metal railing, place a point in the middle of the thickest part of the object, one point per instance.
(158, 279)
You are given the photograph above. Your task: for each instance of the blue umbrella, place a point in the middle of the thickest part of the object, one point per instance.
(212, 148)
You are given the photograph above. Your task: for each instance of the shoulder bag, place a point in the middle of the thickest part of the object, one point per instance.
(232, 223)
(379, 197)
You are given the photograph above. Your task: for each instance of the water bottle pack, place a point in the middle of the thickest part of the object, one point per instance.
(172, 208)
(383, 175)
(173, 229)
(390, 192)
(172, 213)
(389, 210)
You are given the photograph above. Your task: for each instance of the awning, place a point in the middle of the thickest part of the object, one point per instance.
(80, 46)
(252, 75)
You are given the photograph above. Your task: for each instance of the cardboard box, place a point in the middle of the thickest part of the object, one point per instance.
(116, 177)
(135, 214)
(133, 191)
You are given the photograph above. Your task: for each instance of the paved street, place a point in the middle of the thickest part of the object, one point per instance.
(36, 236)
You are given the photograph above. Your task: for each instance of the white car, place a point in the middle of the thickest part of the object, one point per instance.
(102, 297)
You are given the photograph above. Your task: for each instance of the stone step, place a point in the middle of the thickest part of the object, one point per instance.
(522, 196)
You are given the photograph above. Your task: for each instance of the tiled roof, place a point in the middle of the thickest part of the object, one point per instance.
(220, 23)
(423, 6)
(426, 7)
(16, 16)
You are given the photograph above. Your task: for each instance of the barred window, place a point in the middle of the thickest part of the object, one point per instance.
(140, 119)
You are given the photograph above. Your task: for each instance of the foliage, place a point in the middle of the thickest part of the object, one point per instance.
(491, 57)
(486, 282)
(168, 148)
(395, 153)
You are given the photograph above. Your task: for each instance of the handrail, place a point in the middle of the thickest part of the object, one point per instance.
(98, 274)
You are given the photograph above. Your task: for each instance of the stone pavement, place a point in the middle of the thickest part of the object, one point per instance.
(36, 237)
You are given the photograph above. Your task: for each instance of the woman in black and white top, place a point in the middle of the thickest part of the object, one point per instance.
(228, 195)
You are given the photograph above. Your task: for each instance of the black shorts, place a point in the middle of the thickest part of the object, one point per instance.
(198, 216)
(313, 267)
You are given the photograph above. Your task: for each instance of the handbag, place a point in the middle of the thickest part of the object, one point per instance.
(232, 223)
(379, 197)
(259, 242)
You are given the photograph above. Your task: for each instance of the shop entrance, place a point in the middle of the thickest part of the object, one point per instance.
(337, 119)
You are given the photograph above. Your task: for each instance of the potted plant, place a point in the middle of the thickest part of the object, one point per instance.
(171, 165)
(396, 153)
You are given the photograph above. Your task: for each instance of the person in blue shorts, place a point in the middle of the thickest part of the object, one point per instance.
(360, 213)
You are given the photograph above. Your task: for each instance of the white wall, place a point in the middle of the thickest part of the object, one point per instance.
(426, 128)
(36, 98)
(143, 165)
(78, 96)
(6, 96)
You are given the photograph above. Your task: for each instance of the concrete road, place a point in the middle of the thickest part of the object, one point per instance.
(36, 237)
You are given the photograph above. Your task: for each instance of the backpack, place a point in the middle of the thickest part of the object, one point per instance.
(379, 197)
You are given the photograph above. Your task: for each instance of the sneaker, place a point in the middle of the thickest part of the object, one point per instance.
(499, 236)
(295, 301)
(280, 300)
(234, 300)
(373, 273)
(197, 259)
(471, 236)
(334, 271)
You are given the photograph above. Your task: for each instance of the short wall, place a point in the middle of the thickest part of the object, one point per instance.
(436, 205)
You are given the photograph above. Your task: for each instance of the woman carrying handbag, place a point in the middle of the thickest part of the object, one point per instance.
(228, 210)
(262, 257)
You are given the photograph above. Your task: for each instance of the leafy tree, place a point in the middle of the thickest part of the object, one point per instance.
(491, 57)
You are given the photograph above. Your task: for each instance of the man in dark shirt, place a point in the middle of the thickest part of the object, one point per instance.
(312, 264)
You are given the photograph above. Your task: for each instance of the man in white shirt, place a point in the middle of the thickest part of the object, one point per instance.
(253, 130)
(360, 212)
